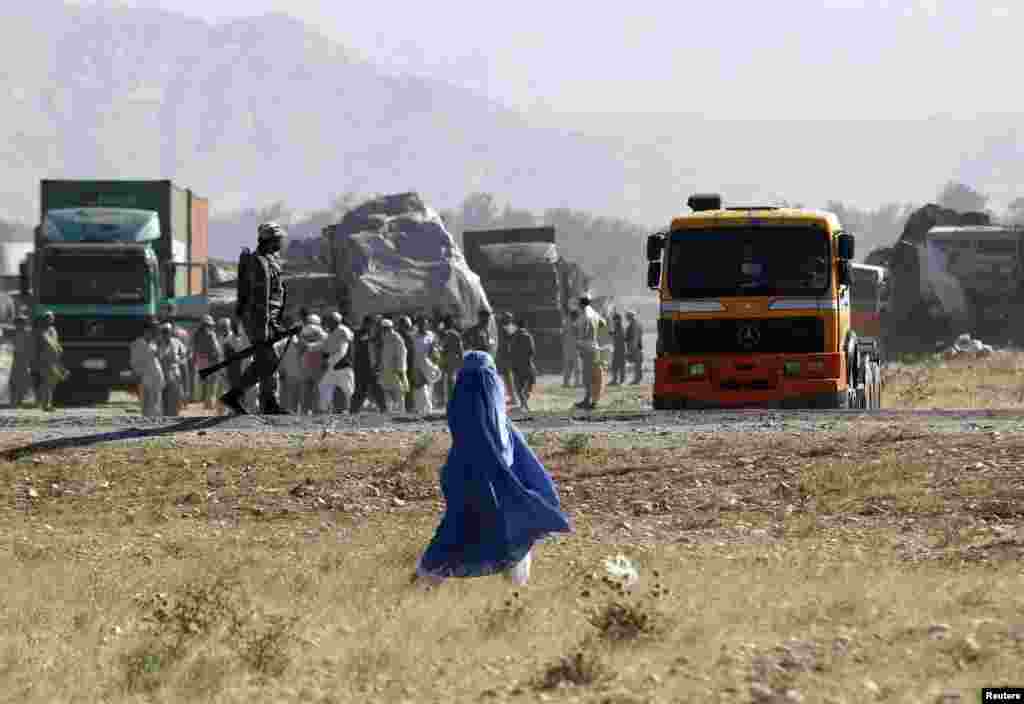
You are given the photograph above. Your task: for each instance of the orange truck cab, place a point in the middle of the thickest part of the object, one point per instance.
(755, 311)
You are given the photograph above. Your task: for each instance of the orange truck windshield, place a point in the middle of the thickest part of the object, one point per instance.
(748, 261)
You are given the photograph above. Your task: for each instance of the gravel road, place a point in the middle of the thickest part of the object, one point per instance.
(20, 429)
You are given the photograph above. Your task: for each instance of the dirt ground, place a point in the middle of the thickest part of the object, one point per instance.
(782, 557)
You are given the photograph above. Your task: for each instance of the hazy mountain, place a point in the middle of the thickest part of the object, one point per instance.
(260, 110)
(266, 109)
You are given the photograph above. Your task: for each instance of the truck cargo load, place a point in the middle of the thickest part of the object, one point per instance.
(955, 273)
(394, 255)
(524, 274)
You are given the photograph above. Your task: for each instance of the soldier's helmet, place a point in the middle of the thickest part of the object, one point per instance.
(207, 320)
(335, 317)
(270, 231)
(313, 319)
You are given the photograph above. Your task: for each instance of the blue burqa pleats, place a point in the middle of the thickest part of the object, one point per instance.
(500, 499)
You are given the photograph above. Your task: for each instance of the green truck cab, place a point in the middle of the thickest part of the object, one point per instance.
(108, 255)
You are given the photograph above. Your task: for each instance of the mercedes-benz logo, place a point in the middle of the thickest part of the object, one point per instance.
(749, 336)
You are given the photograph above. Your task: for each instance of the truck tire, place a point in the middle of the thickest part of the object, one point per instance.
(869, 385)
(876, 372)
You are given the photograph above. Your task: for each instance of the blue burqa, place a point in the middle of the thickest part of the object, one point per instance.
(499, 497)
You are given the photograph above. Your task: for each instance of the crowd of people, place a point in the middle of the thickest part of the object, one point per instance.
(389, 363)
(396, 363)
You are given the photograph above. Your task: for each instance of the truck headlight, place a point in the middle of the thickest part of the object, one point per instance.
(791, 368)
(696, 369)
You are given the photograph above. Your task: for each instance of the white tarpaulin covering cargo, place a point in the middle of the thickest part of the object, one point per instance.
(394, 255)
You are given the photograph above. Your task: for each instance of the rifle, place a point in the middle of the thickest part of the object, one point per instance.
(249, 351)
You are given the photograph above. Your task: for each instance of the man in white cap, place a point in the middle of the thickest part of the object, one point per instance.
(587, 331)
(174, 359)
(261, 308)
(311, 350)
(392, 367)
(339, 376)
(47, 366)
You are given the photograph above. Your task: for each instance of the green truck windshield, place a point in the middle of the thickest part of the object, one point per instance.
(71, 277)
(749, 261)
(101, 225)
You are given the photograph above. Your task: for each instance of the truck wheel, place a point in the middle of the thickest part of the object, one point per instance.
(876, 371)
(869, 385)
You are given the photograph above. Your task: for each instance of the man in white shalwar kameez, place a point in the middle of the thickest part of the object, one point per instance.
(339, 374)
(146, 365)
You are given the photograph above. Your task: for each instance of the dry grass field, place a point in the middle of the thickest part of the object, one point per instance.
(878, 564)
(988, 382)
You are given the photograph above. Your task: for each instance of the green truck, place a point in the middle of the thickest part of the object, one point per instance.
(108, 255)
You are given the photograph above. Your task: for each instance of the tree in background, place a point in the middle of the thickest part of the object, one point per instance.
(874, 229)
(962, 198)
(1016, 211)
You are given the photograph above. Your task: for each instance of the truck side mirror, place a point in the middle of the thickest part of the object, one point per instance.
(655, 245)
(845, 273)
(846, 248)
(654, 275)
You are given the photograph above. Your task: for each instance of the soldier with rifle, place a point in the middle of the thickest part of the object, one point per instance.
(261, 302)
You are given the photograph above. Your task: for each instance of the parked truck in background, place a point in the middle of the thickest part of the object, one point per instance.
(108, 256)
(869, 300)
(755, 311)
(524, 274)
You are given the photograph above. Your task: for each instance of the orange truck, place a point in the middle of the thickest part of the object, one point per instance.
(755, 311)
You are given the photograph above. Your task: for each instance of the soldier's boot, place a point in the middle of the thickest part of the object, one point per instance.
(233, 400)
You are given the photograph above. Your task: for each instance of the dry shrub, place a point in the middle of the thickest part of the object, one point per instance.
(584, 667)
(626, 617)
(207, 617)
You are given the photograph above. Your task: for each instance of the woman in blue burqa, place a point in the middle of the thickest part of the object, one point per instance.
(500, 499)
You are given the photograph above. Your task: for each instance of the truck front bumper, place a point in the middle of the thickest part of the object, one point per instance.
(102, 367)
(751, 382)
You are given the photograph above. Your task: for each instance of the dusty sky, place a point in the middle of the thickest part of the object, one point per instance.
(737, 59)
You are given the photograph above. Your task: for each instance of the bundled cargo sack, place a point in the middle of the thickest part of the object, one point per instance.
(394, 255)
